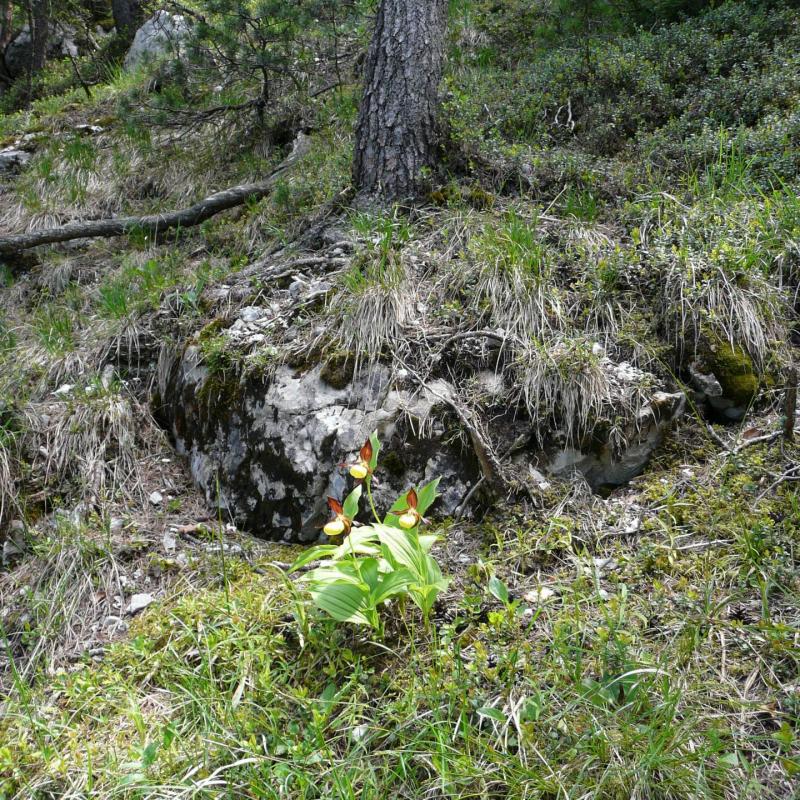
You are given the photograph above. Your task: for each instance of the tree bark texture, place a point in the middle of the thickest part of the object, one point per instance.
(40, 28)
(396, 134)
(127, 17)
(6, 23)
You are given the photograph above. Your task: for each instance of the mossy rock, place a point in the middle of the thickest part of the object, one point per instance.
(732, 366)
(338, 370)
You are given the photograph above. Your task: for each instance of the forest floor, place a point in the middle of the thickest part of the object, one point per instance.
(637, 643)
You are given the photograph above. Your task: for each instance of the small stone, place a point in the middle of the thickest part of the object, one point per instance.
(296, 288)
(116, 524)
(631, 524)
(107, 378)
(539, 595)
(88, 130)
(359, 732)
(12, 159)
(169, 541)
(138, 603)
(156, 498)
(539, 479)
(251, 314)
(64, 389)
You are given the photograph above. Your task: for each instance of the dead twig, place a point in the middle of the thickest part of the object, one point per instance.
(790, 405)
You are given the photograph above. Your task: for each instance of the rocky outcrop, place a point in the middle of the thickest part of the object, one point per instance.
(601, 463)
(12, 160)
(17, 56)
(267, 450)
(163, 35)
(724, 380)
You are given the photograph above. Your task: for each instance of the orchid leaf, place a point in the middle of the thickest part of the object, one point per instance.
(351, 503)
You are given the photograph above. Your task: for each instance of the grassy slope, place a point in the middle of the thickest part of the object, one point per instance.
(664, 664)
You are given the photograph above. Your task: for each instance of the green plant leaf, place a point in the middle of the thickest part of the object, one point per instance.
(343, 601)
(427, 540)
(312, 554)
(361, 541)
(368, 569)
(350, 505)
(392, 584)
(339, 571)
(376, 449)
(401, 548)
(427, 495)
(492, 713)
(498, 589)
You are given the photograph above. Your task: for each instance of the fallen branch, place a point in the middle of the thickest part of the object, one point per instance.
(790, 475)
(790, 405)
(156, 224)
(766, 438)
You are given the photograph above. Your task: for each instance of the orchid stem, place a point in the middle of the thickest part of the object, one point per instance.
(371, 502)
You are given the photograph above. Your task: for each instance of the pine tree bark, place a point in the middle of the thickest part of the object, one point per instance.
(40, 29)
(6, 23)
(127, 17)
(396, 134)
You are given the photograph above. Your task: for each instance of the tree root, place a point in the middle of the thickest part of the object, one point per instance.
(156, 224)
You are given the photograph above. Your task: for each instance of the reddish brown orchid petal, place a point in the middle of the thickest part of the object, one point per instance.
(412, 498)
(335, 505)
(366, 452)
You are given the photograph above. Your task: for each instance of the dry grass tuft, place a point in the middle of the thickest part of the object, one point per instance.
(8, 484)
(95, 437)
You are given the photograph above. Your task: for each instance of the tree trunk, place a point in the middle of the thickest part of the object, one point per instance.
(127, 17)
(6, 23)
(396, 134)
(40, 26)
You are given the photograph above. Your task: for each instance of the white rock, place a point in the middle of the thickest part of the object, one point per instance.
(631, 524)
(156, 498)
(359, 732)
(251, 314)
(540, 595)
(12, 159)
(138, 603)
(64, 389)
(162, 35)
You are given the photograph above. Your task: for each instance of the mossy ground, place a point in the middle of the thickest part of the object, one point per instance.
(648, 650)
(663, 665)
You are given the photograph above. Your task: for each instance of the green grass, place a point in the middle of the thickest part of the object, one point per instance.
(667, 216)
(629, 681)
(54, 327)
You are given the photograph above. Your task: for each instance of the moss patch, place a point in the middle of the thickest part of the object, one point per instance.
(734, 369)
(338, 370)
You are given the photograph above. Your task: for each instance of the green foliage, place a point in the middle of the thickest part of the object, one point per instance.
(377, 562)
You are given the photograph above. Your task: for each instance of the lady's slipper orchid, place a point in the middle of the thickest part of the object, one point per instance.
(341, 523)
(409, 517)
(361, 469)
